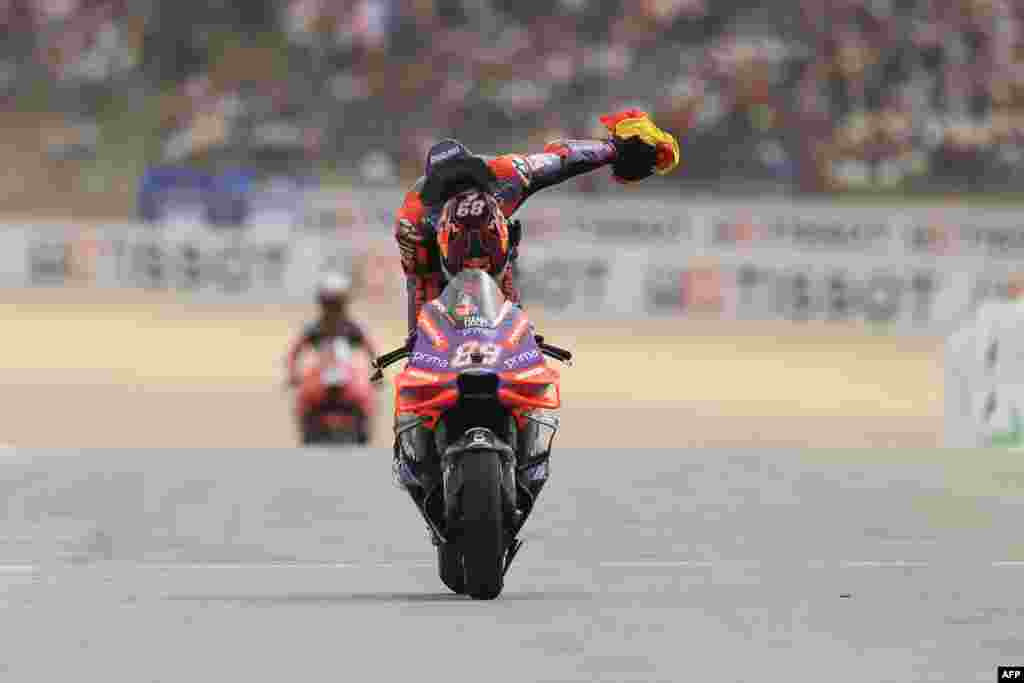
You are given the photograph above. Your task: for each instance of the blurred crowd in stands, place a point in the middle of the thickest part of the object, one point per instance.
(792, 94)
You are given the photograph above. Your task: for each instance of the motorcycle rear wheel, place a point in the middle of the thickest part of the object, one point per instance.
(482, 533)
(313, 432)
(449, 567)
(312, 437)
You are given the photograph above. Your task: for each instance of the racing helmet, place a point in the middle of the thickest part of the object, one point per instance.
(472, 232)
(333, 289)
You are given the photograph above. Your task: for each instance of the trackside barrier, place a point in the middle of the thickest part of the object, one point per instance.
(616, 255)
(984, 379)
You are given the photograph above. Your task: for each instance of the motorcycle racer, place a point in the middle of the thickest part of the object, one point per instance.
(333, 294)
(456, 215)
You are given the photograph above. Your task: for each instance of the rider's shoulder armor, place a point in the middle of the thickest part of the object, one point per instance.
(314, 332)
(513, 180)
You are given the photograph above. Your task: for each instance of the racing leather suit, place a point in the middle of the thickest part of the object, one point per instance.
(316, 332)
(519, 177)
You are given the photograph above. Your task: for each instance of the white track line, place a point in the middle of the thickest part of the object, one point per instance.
(220, 566)
(883, 564)
(656, 564)
(611, 564)
(170, 566)
(811, 564)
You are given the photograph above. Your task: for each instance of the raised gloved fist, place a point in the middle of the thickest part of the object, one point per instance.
(642, 148)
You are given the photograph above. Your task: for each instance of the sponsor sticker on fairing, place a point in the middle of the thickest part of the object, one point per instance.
(476, 321)
(538, 472)
(521, 359)
(428, 359)
(478, 332)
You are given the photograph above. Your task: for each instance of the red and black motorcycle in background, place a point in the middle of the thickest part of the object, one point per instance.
(335, 400)
(474, 424)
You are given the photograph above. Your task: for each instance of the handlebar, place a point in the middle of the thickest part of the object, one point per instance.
(563, 355)
(389, 358)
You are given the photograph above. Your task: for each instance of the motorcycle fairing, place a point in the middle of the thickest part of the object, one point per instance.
(495, 338)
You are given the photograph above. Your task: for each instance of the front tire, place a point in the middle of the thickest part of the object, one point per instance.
(482, 537)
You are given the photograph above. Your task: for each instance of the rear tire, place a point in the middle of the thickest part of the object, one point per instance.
(482, 537)
(449, 567)
(311, 437)
(311, 431)
(362, 430)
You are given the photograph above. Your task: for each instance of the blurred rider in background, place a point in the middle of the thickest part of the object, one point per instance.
(456, 215)
(333, 294)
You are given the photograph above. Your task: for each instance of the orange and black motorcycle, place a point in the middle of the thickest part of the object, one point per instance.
(474, 423)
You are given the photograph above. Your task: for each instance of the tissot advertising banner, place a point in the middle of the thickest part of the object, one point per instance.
(628, 256)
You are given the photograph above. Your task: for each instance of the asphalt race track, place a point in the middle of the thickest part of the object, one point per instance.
(652, 565)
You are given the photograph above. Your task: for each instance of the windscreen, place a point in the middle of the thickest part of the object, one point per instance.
(472, 298)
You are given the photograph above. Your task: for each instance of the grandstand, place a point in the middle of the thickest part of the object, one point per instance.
(801, 96)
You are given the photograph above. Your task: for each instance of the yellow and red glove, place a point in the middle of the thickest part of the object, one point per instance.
(642, 149)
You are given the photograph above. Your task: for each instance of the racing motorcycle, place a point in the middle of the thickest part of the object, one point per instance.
(474, 423)
(335, 403)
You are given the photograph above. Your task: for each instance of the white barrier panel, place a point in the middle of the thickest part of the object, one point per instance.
(617, 253)
(808, 226)
(612, 255)
(984, 376)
